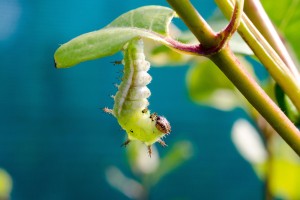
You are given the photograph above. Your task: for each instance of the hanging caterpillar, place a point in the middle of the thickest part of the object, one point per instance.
(131, 104)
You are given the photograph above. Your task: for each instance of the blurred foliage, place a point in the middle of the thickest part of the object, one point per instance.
(207, 85)
(286, 105)
(149, 171)
(285, 172)
(5, 185)
(281, 170)
(285, 15)
(272, 159)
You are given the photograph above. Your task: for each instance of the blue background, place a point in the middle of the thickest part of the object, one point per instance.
(56, 142)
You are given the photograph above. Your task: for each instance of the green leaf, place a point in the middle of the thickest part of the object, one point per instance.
(285, 15)
(150, 22)
(207, 85)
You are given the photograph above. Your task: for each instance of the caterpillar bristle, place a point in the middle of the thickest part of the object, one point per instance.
(117, 62)
(125, 143)
(107, 110)
(117, 85)
(162, 143)
(150, 150)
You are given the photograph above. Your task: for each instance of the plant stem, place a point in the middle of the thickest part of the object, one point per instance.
(256, 13)
(266, 54)
(194, 22)
(231, 67)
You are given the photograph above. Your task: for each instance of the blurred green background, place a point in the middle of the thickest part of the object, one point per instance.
(55, 141)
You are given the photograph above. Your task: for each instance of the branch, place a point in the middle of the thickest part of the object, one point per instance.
(266, 54)
(194, 21)
(256, 13)
(231, 67)
(237, 74)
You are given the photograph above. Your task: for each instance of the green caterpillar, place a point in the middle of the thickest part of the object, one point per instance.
(131, 104)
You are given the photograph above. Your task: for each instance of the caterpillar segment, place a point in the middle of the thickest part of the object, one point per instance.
(131, 103)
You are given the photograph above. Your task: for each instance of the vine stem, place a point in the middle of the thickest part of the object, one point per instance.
(197, 25)
(266, 54)
(231, 67)
(258, 16)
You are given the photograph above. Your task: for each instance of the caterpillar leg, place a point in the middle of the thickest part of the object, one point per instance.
(149, 150)
(107, 110)
(125, 143)
(162, 143)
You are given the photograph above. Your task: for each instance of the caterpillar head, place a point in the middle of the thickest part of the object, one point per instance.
(162, 124)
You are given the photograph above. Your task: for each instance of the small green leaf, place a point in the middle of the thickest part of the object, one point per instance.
(285, 15)
(150, 22)
(209, 86)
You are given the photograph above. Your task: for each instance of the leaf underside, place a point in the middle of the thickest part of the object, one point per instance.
(150, 22)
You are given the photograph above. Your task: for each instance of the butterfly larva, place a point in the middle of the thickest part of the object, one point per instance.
(131, 104)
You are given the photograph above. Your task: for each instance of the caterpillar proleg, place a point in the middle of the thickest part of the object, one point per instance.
(131, 104)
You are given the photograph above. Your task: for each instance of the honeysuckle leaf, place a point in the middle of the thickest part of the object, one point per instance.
(150, 22)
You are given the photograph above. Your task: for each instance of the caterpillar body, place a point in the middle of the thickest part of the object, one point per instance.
(131, 104)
